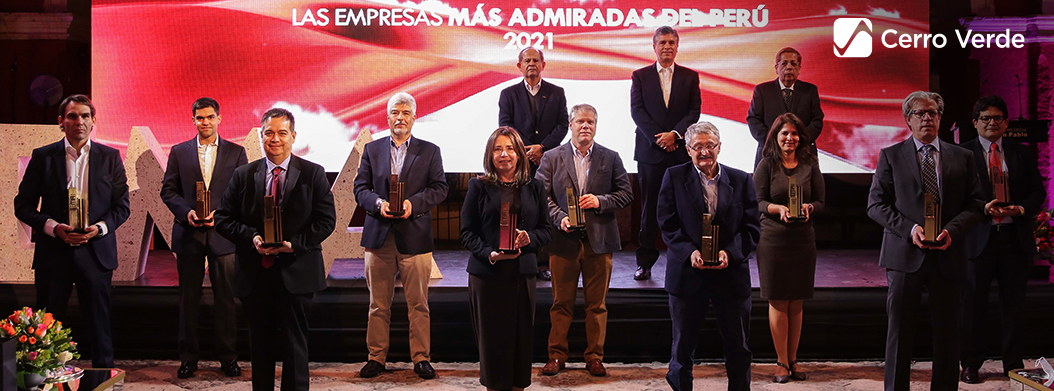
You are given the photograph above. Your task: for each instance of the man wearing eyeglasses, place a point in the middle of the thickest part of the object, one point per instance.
(688, 191)
(209, 159)
(1002, 246)
(920, 165)
(786, 94)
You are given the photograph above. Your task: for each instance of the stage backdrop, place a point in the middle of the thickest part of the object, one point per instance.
(336, 63)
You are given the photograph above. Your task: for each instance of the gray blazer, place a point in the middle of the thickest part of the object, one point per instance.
(607, 180)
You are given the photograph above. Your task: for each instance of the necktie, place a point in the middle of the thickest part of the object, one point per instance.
(929, 173)
(787, 98)
(995, 164)
(268, 260)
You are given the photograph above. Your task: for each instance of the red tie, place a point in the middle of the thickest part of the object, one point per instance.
(994, 165)
(268, 260)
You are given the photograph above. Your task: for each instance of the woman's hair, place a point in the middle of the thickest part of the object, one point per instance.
(523, 167)
(803, 153)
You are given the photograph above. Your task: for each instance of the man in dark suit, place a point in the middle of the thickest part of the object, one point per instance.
(906, 171)
(276, 284)
(786, 94)
(602, 186)
(399, 243)
(64, 257)
(688, 191)
(537, 109)
(1002, 246)
(211, 160)
(664, 100)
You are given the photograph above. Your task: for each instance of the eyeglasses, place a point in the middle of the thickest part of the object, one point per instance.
(998, 119)
(700, 148)
(922, 114)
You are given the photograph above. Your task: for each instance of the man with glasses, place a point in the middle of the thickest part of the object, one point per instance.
(786, 94)
(921, 165)
(688, 191)
(1002, 246)
(209, 159)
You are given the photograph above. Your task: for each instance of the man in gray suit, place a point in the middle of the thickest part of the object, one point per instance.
(924, 164)
(602, 187)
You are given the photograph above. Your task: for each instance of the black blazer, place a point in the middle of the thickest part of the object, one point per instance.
(680, 210)
(424, 185)
(607, 180)
(178, 191)
(480, 220)
(896, 203)
(308, 218)
(1026, 189)
(652, 116)
(45, 182)
(767, 104)
(514, 109)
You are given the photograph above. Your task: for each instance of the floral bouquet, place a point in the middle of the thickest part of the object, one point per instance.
(1044, 233)
(43, 346)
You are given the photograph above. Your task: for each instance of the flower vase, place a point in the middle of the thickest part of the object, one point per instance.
(29, 380)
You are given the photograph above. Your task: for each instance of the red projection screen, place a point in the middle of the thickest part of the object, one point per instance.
(335, 64)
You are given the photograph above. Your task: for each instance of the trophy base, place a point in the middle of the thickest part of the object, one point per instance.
(933, 243)
(507, 251)
(271, 244)
(79, 231)
(202, 221)
(1002, 204)
(797, 218)
(711, 263)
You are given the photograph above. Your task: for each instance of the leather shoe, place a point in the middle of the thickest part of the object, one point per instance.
(642, 274)
(231, 369)
(553, 367)
(371, 369)
(596, 368)
(545, 275)
(781, 378)
(424, 370)
(970, 376)
(187, 369)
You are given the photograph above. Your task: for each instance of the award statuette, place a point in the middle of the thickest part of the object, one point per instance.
(396, 196)
(794, 204)
(78, 211)
(709, 250)
(574, 213)
(507, 234)
(272, 223)
(932, 227)
(1001, 195)
(202, 204)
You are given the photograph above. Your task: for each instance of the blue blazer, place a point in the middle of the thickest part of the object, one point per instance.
(1026, 189)
(308, 218)
(45, 182)
(514, 109)
(680, 210)
(480, 219)
(178, 191)
(652, 116)
(424, 185)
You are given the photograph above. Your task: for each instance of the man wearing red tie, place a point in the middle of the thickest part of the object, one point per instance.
(276, 284)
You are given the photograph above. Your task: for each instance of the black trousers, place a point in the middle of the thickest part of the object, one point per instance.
(649, 176)
(1004, 261)
(191, 268)
(902, 306)
(733, 322)
(278, 329)
(54, 285)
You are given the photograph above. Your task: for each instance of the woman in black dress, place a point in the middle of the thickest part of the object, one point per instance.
(786, 252)
(501, 284)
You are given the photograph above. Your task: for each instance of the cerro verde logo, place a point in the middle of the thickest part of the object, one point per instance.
(852, 38)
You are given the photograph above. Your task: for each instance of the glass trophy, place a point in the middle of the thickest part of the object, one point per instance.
(710, 247)
(574, 213)
(272, 223)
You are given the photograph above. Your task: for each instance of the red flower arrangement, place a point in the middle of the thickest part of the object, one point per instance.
(1044, 233)
(43, 344)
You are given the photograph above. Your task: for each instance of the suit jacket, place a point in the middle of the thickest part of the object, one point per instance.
(896, 203)
(480, 218)
(767, 104)
(652, 117)
(308, 217)
(680, 211)
(45, 182)
(424, 184)
(607, 180)
(1026, 189)
(179, 192)
(549, 129)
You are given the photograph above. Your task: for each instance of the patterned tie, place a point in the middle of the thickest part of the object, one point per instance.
(268, 260)
(929, 173)
(995, 164)
(787, 98)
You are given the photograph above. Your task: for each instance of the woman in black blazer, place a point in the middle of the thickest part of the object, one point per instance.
(501, 285)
